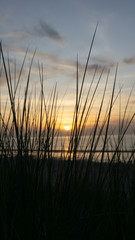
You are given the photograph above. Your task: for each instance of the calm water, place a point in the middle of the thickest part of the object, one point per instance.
(128, 142)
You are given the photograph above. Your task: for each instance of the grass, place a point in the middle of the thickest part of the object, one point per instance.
(73, 196)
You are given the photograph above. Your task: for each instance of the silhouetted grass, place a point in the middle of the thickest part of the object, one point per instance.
(73, 195)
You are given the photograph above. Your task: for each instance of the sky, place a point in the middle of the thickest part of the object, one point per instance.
(60, 31)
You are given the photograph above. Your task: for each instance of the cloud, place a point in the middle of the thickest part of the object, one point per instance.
(15, 35)
(104, 62)
(44, 29)
(129, 60)
(98, 64)
(41, 29)
(56, 67)
(66, 67)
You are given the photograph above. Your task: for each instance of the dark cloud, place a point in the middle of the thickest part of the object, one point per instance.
(99, 67)
(129, 60)
(43, 29)
(91, 67)
(106, 63)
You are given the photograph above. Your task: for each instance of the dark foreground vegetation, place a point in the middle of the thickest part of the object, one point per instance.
(69, 204)
(43, 197)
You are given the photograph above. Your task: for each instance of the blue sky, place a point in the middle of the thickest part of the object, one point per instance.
(62, 29)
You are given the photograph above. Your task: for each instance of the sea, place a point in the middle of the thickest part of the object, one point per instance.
(124, 147)
(127, 142)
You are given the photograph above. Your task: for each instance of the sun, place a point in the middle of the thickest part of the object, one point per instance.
(67, 128)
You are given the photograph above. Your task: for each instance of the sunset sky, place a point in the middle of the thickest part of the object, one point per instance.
(62, 29)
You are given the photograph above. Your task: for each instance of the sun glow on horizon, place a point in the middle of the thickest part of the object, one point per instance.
(67, 128)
